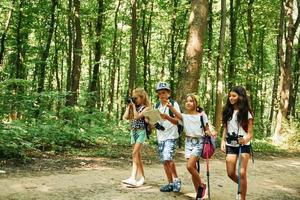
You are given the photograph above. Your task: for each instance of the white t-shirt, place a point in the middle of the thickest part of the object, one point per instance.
(192, 124)
(171, 130)
(232, 126)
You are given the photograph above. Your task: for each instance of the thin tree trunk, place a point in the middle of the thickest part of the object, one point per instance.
(114, 64)
(208, 84)
(45, 52)
(148, 41)
(173, 43)
(234, 10)
(76, 71)
(70, 45)
(3, 37)
(132, 72)
(295, 84)
(194, 50)
(19, 62)
(262, 89)
(249, 39)
(95, 77)
(146, 35)
(220, 67)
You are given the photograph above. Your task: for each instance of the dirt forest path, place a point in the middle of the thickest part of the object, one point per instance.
(273, 179)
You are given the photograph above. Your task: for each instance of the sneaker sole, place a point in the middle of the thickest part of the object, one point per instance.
(129, 185)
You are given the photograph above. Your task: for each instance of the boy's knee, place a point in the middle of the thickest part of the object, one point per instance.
(167, 163)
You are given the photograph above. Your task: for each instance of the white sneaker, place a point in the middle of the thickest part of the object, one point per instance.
(129, 181)
(140, 182)
(238, 197)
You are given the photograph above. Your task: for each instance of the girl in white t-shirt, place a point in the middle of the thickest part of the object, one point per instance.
(194, 138)
(238, 130)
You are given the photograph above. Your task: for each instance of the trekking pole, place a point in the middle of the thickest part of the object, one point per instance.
(207, 169)
(239, 172)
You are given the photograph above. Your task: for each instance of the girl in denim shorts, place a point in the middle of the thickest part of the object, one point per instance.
(194, 138)
(137, 105)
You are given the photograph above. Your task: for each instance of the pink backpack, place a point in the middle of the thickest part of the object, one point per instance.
(209, 143)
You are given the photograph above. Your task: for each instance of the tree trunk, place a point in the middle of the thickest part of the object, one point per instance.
(45, 52)
(194, 49)
(114, 64)
(3, 37)
(220, 68)
(132, 72)
(173, 43)
(70, 45)
(262, 88)
(208, 84)
(285, 74)
(95, 75)
(234, 10)
(76, 71)
(295, 83)
(146, 35)
(19, 62)
(249, 39)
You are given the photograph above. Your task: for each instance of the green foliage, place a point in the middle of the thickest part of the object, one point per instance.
(75, 129)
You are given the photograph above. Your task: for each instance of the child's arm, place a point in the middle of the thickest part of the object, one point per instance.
(249, 136)
(178, 115)
(207, 130)
(140, 115)
(223, 142)
(173, 120)
(126, 114)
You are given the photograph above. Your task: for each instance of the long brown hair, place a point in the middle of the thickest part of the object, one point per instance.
(144, 97)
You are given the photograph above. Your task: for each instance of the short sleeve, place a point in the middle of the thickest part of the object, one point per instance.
(250, 115)
(176, 106)
(205, 118)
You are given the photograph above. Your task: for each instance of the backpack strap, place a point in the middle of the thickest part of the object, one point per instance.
(141, 109)
(157, 105)
(170, 112)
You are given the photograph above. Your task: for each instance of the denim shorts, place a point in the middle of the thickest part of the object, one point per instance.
(138, 136)
(166, 150)
(193, 147)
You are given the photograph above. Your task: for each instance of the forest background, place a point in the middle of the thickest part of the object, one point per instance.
(67, 68)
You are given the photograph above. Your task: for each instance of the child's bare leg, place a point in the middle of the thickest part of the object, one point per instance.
(231, 160)
(173, 169)
(168, 171)
(244, 164)
(191, 167)
(135, 158)
(140, 165)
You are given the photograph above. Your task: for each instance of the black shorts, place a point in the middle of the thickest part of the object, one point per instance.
(235, 150)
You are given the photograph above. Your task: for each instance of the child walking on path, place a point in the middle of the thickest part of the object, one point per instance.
(167, 134)
(194, 138)
(238, 131)
(138, 104)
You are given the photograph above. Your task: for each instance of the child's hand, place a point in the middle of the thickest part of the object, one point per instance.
(147, 120)
(223, 146)
(242, 141)
(163, 115)
(208, 133)
(169, 104)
